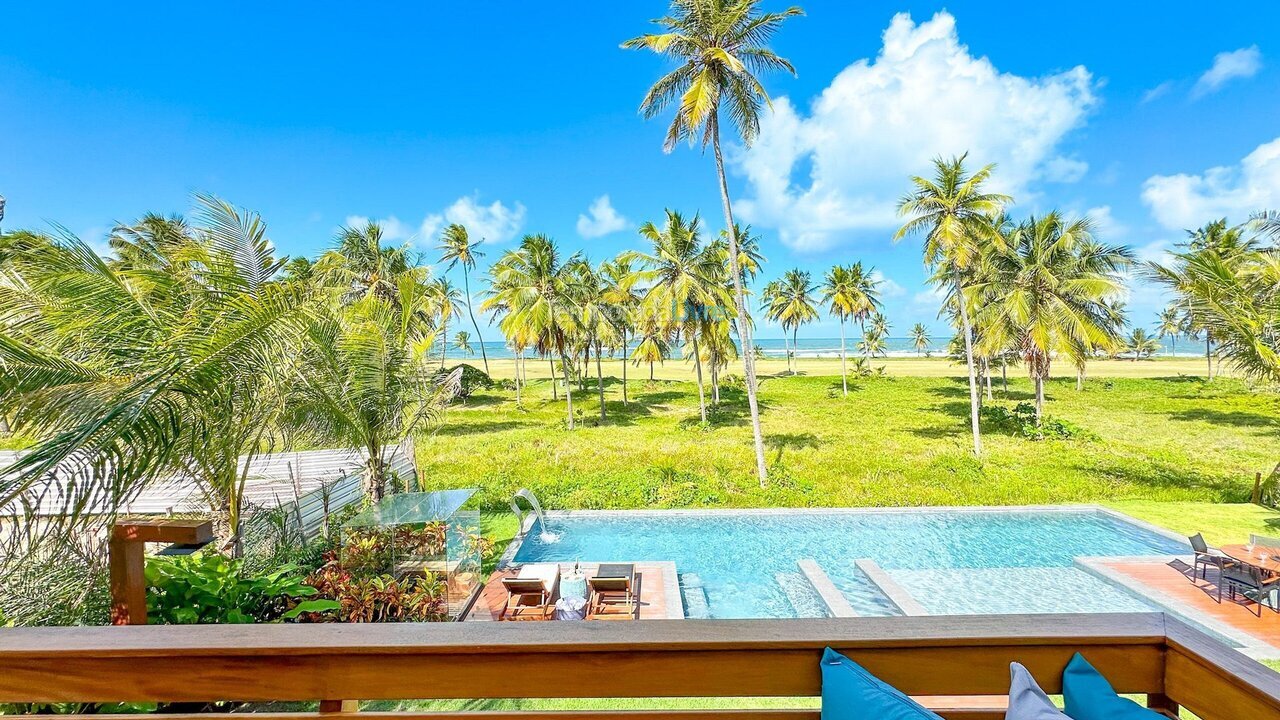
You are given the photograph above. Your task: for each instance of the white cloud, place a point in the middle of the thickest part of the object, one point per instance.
(1187, 201)
(883, 120)
(1227, 66)
(888, 287)
(1158, 91)
(1108, 228)
(601, 219)
(493, 223)
(393, 230)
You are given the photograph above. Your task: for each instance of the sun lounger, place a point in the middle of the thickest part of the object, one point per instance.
(613, 593)
(532, 594)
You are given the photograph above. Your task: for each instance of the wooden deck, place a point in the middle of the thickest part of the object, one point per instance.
(659, 592)
(1172, 584)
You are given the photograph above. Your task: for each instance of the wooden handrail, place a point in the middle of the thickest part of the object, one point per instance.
(332, 663)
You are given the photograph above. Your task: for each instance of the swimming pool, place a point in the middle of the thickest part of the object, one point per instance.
(745, 564)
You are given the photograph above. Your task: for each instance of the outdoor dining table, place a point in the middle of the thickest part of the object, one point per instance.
(1262, 556)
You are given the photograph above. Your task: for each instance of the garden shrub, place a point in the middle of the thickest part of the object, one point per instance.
(1021, 420)
(206, 587)
(473, 379)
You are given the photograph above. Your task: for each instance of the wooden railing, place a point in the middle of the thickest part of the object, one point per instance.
(338, 665)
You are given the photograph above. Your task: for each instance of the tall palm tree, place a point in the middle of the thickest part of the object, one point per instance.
(595, 318)
(848, 292)
(720, 45)
(457, 249)
(1043, 288)
(794, 304)
(536, 289)
(167, 361)
(920, 338)
(1169, 324)
(448, 303)
(955, 214)
(685, 280)
(622, 301)
(880, 323)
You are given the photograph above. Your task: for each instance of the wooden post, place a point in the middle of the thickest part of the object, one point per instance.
(342, 706)
(1162, 704)
(127, 554)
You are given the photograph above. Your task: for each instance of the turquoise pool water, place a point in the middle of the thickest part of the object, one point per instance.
(744, 564)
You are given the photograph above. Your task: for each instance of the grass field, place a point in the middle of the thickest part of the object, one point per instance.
(901, 439)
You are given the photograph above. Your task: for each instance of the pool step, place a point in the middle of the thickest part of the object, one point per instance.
(695, 597)
(896, 594)
(836, 603)
(804, 599)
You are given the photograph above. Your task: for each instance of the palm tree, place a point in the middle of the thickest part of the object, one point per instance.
(685, 281)
(793, 304)
(448, 302)
(955, 214)
(359, 265)
(720, 45)
(872, 343)
(595, 318)
(1232, 292)
(920, 338)
(462, 341)
(363, 377)
(167, 361)
(456, 248)
(1169, 324)
(654, 345)
(535, 290)
(622, 302)
(1141, 344)
(848, 292)
(1043, 290)
(880, 323)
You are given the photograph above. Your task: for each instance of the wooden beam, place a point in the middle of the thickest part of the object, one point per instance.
(127, 559)
(182, 531)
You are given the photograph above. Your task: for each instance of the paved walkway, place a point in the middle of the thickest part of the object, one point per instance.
(656, 581)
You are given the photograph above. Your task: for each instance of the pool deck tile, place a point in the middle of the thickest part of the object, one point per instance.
(656, 580)
(1173, 579)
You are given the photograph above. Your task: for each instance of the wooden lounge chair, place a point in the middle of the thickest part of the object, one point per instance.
(1206, 557)
(613, 593)
(532, 594)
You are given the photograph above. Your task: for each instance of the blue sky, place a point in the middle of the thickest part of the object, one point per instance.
(520, 117)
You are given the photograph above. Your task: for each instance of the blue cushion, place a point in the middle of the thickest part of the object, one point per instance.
(849, 692)
(1088, 696)
(1026, 700)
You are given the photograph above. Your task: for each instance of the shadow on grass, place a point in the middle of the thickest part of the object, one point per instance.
(1161, 475)
(1232, 418)
(479, 428)
(795, 441)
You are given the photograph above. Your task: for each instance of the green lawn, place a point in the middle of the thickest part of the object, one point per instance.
(892, 441)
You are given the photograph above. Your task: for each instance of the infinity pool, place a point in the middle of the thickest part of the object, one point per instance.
(743, 564)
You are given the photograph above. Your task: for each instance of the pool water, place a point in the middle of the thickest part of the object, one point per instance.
(744, 564)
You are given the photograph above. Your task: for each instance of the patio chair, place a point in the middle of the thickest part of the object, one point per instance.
(532, 594)
(1254, 583)
(1205, 557)
(613, 593)
(1264, 541)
